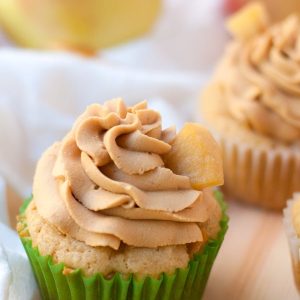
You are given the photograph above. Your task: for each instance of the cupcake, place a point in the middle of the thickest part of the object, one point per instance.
(291, 221)
(253, 105)
(122, 209)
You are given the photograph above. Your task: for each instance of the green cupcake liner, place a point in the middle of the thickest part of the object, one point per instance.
(185, 283)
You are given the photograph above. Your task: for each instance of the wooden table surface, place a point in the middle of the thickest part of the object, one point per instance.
(254, 261)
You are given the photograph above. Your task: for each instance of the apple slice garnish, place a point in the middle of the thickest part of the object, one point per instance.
(196, 154)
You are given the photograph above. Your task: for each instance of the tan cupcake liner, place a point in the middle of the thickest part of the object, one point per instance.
(264, 177)
(293, 240)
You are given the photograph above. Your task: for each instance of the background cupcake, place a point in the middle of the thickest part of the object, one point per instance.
(111, 217)
(254, 106)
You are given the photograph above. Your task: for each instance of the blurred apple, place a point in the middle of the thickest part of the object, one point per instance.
(83, 25)
(230, 6)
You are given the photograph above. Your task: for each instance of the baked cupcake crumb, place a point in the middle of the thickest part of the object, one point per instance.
(105, 260)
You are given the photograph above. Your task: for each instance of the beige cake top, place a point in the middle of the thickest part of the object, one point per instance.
(107, 182)
(259, 75)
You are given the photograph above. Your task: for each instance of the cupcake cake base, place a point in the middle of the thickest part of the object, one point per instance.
(58, 282)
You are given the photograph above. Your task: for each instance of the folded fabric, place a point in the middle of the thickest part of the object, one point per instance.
(16, 278)
(5, 275)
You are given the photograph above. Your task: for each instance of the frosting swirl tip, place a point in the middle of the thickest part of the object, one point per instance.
(106, 182)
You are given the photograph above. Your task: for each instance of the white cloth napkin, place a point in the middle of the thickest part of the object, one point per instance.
(16, 279)
(41, 94)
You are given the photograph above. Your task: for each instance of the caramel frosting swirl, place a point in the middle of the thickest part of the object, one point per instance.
(260, 81)
(105, 182)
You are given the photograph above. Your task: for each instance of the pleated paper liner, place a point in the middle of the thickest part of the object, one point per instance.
(264, 177)
(293, 240)
(185, 283)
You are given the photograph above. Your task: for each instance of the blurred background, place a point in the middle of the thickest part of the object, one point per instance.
(58, 56)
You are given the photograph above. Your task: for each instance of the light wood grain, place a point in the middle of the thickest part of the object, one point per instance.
(254, 261)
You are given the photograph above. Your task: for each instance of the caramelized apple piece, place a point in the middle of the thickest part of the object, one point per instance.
(248, 21)
(197, 155)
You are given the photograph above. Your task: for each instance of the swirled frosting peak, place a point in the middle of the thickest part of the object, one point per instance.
(259, 81)
(106, 183)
